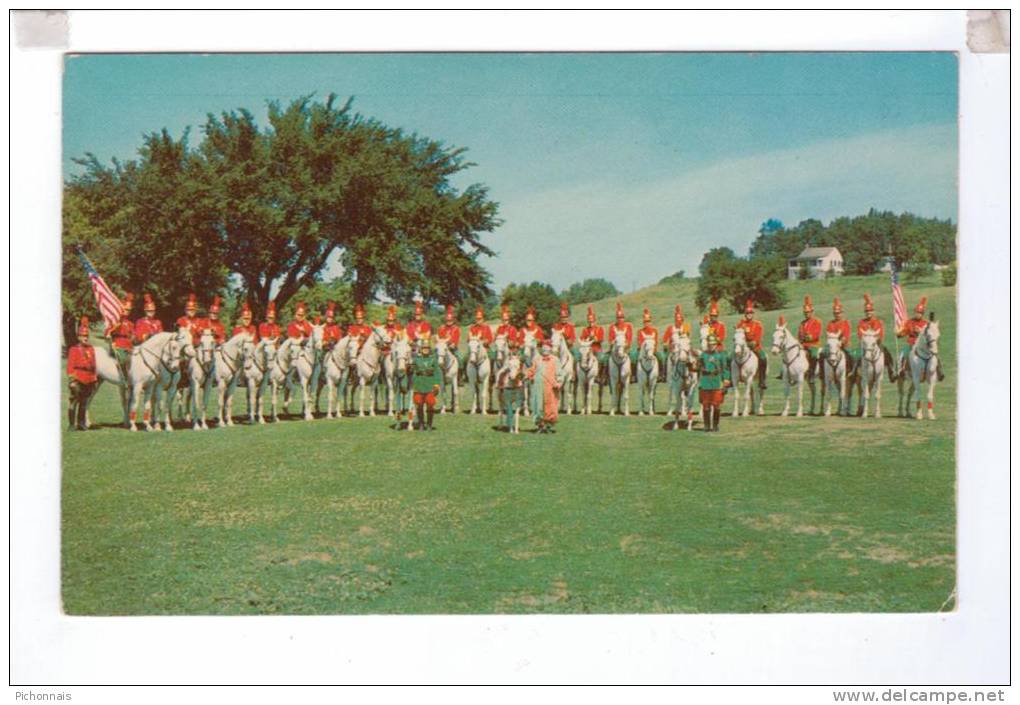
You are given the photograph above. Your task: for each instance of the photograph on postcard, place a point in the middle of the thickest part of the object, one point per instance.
(317, 310)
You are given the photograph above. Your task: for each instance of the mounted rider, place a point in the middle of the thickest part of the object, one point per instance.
(450, 332)
(149, 325)
(214, 324)
(648, 331)
(121, 335)
(531, 327)
(269, 329)
(622, 325)
(597, 335)
(190, 320)
(566, 328)
(715, 325)
(505, 328)
(418, 329)
(81, 377)
(392, 326)
(870, 322)
(840, 326)
(425, 380)
(753, 332)
(714, 379)
(678, 326)
(911, 329)
(244, 324)
(331, 330)
(481, 330)
(300, 329)
(809, 333)
(359, 330)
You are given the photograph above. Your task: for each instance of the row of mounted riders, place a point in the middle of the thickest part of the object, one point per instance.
(159, 367)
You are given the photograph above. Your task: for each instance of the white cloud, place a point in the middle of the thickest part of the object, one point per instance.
(636, 232)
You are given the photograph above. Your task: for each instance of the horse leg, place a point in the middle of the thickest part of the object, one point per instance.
(932, 378)
(878, 394)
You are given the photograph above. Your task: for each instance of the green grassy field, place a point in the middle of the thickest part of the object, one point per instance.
(609, 515)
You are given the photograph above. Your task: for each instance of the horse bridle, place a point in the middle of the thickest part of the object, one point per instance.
(162, 362)
(797, 345)
(927, 345)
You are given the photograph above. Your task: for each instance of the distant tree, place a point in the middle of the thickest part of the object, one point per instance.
(735, 280)
(594, 289)
(675, 278)
(714, 257)
(536, 294)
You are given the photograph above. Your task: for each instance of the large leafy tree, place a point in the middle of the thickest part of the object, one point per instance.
(592, 289)
(542, 297)
(726, 277)
(270, 209)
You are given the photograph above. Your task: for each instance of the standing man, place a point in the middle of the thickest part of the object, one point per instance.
(270, 329)
(911, 329)
(870, 322)
(715, 325)
(505, 328)
(597, 335)
(81, 377)
(418, 328)
(753, 332)
(809, 333)
(531, 328)
(149, 325)
(546, 382)
(121, 336)
(714, 380)
(566, 328)
(623, 325)
(244, 324)
(425, 380)
(214, 324)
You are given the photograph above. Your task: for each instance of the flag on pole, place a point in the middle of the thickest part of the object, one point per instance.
(899, 307)
(108, 303)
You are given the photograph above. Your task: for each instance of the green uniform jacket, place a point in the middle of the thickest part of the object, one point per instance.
(715, 369)
(425, 373)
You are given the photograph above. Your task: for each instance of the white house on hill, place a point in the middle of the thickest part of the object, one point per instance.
(819, 260)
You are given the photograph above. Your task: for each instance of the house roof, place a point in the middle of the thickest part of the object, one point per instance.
(816, 252)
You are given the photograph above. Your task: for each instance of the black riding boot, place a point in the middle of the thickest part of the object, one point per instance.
(419, 416)
(706, 418)
(72, 414)
(938, 369)
(82, 425)
(763, 371)
(890, 364)
(715, 418)
(431, 412)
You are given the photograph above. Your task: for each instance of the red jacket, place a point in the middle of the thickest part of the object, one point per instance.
(719, 328)
(866, 324)
(360, 330)
(667, 335)
(596, 334)
(536, 331)
(418, 329)
(648, 332)
(753, 332)
(331, 334)
(81, 363)
(269, 331)
(218, 330)
(911, 329)
(145, 328)
(122, 333)
(250, 329)
(483, 331)
(299, 329)
(809, 333)
(195, 325)
(451, 333)
(842, 327)
(508, 330)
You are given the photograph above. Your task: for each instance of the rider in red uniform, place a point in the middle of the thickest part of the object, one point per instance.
(596, 334)
(753, 332)
(450, 332)
(623, 325)
(911, 329)
(244, 324)
(149, 325)
(269, 329)
(530, 327)
(809, 333)
(359, 329)
(418, 328)
(840, 325)
(871, 322)
(331, 330)
(214, 324)
(82, 380)
(566, 328)
(716, 326)
(190, 320)
(679, 326)
(505, 328)
(299, 329)
(121, 336)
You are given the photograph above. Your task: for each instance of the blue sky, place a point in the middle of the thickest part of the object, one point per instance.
(627, 166)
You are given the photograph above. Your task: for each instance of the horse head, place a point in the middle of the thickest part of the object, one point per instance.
(930, 336)
(832, 344)
(402, 354)
(648, 348)
(739, 341)
(619, 345)
(206, 346)
(869, 340)
(779, 336)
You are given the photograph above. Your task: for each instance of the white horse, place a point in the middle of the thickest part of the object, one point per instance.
(369, 367)
(479, 370)
(683, 380)
(743, 371)
(794, 359)
(258, 361)
(200, 360)
(278, 374)
(529, 351)
(107, 370)
(501, 353)
(619, 375)
(398, 380)
(449, 369)
(154, 371)
(303, 357)
(336, 368)
(565, 359)
(229, 359)
(872, 366)
(923, 357)
(834, 374)
(647, 376)
(586, 376)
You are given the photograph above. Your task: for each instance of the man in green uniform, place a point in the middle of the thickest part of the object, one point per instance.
(715, 379)
(425, 380)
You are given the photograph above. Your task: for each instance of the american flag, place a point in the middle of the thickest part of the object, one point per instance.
(899, 308)
(108, 303)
